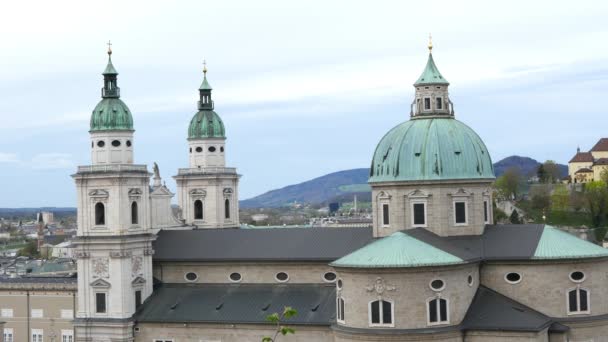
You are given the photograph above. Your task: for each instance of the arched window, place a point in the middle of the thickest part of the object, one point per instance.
(381, 313)
(227, 208)
(134, 219)
(100, 214)
(438, 311)
(340, 309)
(578, 301)
(198, 210)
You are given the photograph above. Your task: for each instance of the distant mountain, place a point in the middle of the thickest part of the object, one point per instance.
(341, 186)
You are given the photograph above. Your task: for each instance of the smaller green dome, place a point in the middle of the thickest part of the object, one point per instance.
(206, 124)
(424, 149)
(111, 114)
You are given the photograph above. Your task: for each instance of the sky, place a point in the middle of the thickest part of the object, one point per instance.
(304, 88)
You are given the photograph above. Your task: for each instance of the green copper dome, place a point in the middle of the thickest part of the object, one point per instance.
(111, 114)
(435, 148)
(206, 124)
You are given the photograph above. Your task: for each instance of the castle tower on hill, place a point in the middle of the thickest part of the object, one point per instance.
(114, 238)
(208, 190)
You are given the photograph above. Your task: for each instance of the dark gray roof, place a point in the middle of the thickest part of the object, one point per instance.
(39, 280)
(242, 303)
(493, 311)
(498, 242)
(293, 244)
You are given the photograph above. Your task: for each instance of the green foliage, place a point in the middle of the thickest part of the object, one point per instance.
(30, 250)
(596, 202)
(560, 199)
(600, 233)
(541, 199)
(509, 183)
(277, 319)
(514, 218)
(548, 172)
(497, 214)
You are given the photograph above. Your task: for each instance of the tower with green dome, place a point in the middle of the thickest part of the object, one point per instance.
(208, 190)
(111, 126)
(431, 171)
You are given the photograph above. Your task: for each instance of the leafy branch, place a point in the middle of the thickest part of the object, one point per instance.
(277, 320)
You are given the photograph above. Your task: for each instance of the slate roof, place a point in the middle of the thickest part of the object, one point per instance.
(601, 145)
(242, 303)
(582, 157)
(492, 311)
(294, 244)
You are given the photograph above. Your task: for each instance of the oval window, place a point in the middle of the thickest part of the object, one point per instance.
(199, 149)
(437, 285)
(222, 149)
(513, 277)
(211, 148)
(282, 277)
(470, 280)
(577, 276)
(191, 276)
(128, 143)
(339, 284)
(116, 143)
(235, 277)
(101, 143)
(329, 277)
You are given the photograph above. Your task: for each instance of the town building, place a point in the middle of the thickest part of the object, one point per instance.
(586, 167)
(432, 267)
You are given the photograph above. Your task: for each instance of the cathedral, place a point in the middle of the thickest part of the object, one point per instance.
(433, 267)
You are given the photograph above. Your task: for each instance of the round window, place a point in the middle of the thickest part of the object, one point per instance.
(128, 143)
(222, 149)
(470, 280)
(116, 143)
(191, 276)
(101, 143)
(437, 285)
(282, 277)
(235, 277)
(513, 277)
(339, 283)
(211, 148)
(577, 276)
(329, 277)
(199, 149)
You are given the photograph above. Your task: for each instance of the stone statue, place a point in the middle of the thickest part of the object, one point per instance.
(156, 171)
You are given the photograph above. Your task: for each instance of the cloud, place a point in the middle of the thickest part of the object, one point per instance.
(8, 158)
(49, 161)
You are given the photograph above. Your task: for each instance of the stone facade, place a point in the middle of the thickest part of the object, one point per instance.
(439, 200)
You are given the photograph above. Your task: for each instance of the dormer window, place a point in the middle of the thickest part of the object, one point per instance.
(439, 103)
(427, 103)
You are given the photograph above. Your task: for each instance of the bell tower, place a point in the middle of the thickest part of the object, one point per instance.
(113, 246)
(208, 190)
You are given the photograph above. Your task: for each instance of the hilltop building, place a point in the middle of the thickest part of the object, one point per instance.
(432, 267)
(588, 166)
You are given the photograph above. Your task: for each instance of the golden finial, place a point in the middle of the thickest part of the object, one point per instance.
(109, 47)
(205, 67)
(430, 43)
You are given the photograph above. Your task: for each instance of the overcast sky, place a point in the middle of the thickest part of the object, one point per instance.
(304, 88)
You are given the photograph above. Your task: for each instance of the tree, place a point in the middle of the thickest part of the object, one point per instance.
(596, 201)
(508, 184)
(541, 200)
(30, 250)
(498, 215)
(560, 199)
(514, 218)
(576, 200)
(541, 173)
(552, 172)
(277, 319)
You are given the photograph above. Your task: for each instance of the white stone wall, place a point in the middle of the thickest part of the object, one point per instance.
(299, 273)
(207, 152)
(212, 190)
(409, 290)
(432, 92)
(109, 154)
(439, 199)
(544, 285)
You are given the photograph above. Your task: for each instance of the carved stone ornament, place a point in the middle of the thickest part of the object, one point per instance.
(197, 193)
(82, 255)
(101, 268)
(148, 251)
(380, 286)
(99, 193)
(227, 191)
(139, 281)
(137, 265)
(120, 254)
(100, 283)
